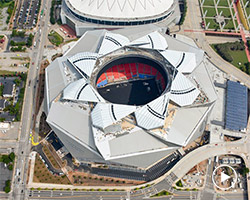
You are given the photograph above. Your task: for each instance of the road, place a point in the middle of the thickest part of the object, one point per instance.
(23, 149)
(240, 147)
(208, 191)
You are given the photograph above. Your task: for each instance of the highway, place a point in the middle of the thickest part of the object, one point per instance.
(23, 149)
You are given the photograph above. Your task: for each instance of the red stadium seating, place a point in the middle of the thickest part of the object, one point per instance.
(140, 68)
(103, 77)
(129, 71)
(147, 69)
(154, 71)
(133, 68)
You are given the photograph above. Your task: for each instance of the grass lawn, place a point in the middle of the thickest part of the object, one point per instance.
(225, 12)
(4, 72)
(210, 11)
(238, 57)
(55, 38)
(223, 3)
(72, 40)
(247, 8)
(42, 174)
(236, 23)
(4, 4)
(213, 24)
(229, 25)
(20, 58)
(208, 3)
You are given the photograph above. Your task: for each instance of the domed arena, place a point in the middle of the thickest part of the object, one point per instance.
(118, 13)
(128, 106)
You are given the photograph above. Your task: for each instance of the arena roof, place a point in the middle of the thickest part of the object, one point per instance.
(121, 9)
(121, 132)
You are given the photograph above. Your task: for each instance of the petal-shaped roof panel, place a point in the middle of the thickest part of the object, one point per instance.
(82, 91)
(183, 91)
(84, 62)
(104, 115)
(111, 42)
(153, 114)
(153, 40)
(185, 62)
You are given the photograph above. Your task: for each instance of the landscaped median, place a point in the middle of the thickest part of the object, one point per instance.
(162, 193)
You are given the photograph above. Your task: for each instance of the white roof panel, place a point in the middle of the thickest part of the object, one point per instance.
(183, 91)
(185, 122)
(104, 115)
(153, 114)
(137, 141)
(111, 42)
(121, 9)
(60, 115)
(84, 62)
(185, 62)
(153, 40)
(80, 90)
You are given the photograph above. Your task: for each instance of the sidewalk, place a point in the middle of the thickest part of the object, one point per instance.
(32, 165)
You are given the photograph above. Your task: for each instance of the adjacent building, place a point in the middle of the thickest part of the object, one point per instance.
(97, 14)
(9, 89)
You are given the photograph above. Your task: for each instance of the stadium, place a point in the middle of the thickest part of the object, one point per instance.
(128, 105)
(86, 15)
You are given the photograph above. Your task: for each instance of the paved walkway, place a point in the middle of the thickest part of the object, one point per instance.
(32, 165)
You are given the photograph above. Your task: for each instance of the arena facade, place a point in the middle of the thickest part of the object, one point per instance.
(130, 104)
(97, 14)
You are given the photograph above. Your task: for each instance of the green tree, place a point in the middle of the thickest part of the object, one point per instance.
(10, 167)
(7, 189)
(244, 171)
(30, 40)
(6, 159)
(17, 81)
(7, 186)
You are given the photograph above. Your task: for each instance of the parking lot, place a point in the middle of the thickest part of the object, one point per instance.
(5, 175)
(26, 15)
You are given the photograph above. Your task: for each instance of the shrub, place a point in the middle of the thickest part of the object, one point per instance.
(183, 15)
(7, 189)
(179, 183)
